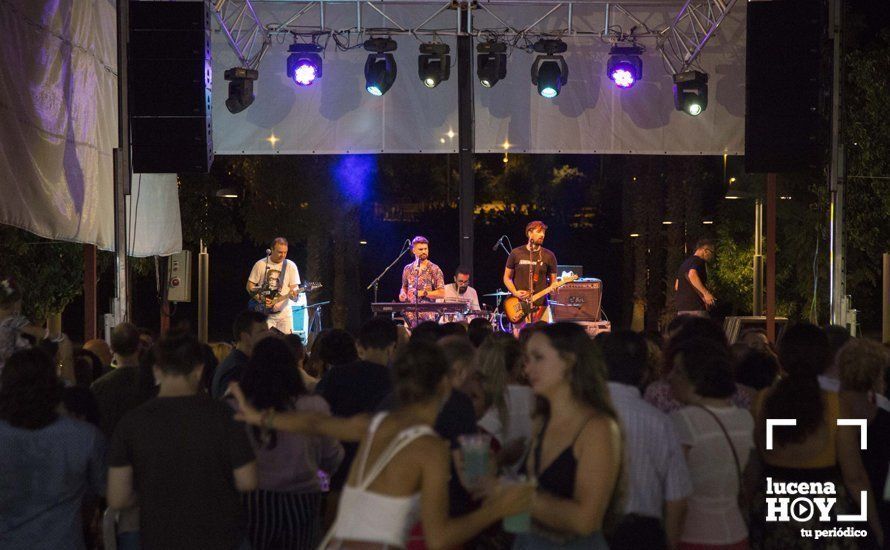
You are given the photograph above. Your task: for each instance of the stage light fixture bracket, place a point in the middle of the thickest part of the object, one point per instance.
(380, 45)
(550, 46)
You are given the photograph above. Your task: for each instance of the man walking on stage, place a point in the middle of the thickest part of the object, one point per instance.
(531, 268)
(422, 281)
(273, 282)
(693, 296)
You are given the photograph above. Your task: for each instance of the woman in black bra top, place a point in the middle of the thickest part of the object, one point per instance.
(576, 457)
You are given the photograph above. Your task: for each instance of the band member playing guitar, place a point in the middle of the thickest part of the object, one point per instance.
(274, 282)
(422, 281)
(530, 269)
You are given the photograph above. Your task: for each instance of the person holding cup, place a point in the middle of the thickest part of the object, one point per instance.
(576, 456)
(401, 471)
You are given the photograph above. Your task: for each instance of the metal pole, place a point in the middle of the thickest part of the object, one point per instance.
(90, 277)
(757, 301)
(122, 174)
(203, 291)
(466, 143)
(885, 332)
(837, 252)
(771, 256)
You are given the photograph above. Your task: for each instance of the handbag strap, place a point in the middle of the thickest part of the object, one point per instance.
(735, 456)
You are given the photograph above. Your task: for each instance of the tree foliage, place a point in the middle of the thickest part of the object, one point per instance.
(49, 273)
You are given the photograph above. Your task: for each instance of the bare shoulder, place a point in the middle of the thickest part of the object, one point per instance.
(598, 429)
(429, 445)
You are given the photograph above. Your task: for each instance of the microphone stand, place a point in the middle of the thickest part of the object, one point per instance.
(376, 282)
(501, 242)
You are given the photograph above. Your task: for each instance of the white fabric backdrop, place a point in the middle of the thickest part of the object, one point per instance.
(336, 114)
(58, 105)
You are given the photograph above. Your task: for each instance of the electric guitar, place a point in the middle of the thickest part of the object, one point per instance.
(517, 310)
(258, 300)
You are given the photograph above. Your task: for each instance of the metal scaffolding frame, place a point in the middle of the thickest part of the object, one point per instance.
(678, 42)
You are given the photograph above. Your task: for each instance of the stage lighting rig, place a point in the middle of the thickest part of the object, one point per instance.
(380, 68)
(625, 67)
(549, 71)
(433, 64)
(240, 88)
(304, 63)
(691, 92)
(491, 62)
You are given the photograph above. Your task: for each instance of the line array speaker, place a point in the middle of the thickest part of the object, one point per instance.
(169, 86)
(785, 102)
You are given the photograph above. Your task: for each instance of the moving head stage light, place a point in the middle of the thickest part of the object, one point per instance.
(433, 64)
(550, 72)
(491, 63)
(625, 67)
(304, 63)
(380, 68)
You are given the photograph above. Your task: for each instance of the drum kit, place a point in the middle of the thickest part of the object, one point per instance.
(499, 321)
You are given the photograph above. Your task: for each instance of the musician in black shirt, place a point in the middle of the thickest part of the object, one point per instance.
(693, 296)
(531, 268)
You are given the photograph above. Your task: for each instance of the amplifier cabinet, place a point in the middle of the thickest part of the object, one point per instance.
(578, 301)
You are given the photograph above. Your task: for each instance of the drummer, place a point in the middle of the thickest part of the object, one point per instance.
(461, 291)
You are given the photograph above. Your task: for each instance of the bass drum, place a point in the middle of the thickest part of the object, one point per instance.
(500, 323)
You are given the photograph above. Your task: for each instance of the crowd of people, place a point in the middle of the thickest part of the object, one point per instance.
(623, 441)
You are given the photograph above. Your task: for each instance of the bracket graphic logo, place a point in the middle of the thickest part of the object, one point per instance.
(802, 501)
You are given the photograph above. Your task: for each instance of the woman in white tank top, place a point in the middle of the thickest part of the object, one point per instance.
(402, 469)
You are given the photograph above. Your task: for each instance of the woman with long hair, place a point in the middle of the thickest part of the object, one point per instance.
(815, 450)
(285, 510)
(576, 457)
(50, 461)
(509, 419)
(401, 471)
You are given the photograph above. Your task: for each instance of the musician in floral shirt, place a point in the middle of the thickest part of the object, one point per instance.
(422, 280)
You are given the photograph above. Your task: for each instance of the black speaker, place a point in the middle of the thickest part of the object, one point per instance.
(169, 87)
(786, 122)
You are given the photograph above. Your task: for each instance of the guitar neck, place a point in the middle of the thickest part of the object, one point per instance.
(548, 290)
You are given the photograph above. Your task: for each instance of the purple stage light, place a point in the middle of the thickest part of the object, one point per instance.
(625, 67)
(305, 73)
(304, 63)
(623, 78)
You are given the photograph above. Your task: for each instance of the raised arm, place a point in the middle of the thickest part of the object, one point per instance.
(307, 422)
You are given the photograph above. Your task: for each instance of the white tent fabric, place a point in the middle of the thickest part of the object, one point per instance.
(58, 106)
(154, 226)
(336, 114)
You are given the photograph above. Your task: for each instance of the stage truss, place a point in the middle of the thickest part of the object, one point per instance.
(679, 42)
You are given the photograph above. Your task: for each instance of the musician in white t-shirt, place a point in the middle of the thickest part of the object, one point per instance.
(274, 293)
(460, 291)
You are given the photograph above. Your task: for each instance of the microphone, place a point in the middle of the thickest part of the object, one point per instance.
(497, 244)
(268, 252)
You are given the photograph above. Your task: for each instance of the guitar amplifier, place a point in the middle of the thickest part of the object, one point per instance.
(577, 301)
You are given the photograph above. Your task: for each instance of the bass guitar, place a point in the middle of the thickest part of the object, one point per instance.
(258, 301)
(518, 310)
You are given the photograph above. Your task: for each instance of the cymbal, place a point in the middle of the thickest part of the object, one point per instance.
(498, 293)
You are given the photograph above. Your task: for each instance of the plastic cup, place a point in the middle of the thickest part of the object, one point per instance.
(519, 523)
(474, 450)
